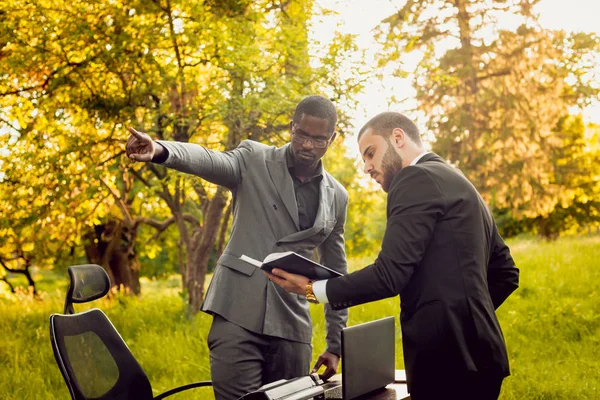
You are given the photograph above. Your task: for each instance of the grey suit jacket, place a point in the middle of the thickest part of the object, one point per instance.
(265, 220)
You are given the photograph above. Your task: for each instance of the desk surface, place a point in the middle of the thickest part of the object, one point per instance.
(393, 391)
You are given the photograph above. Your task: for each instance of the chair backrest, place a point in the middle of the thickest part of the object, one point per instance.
(88, 282)
(91, 355)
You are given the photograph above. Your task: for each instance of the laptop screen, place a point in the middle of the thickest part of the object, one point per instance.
(368, 357)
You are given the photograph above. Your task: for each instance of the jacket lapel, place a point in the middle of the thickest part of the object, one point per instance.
(283, 183)
(326, 194)
(326, 197)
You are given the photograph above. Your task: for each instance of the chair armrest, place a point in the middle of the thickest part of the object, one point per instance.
(182, 388)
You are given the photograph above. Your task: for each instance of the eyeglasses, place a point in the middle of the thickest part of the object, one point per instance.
(301, 138)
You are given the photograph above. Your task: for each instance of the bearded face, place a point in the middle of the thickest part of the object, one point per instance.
(381, 158)
(391, 164)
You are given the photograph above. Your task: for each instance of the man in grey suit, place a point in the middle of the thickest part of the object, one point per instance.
(283, 200)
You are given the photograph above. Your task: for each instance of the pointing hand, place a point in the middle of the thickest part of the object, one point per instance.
(140, 147)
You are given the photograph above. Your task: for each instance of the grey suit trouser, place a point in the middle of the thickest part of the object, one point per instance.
(242, 361)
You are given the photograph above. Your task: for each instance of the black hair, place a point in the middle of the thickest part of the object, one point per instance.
(383, 124)
(317, 106)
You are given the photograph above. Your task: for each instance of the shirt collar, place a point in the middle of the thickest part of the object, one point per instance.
(417, 158)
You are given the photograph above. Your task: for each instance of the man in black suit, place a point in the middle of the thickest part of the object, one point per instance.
(442, 254)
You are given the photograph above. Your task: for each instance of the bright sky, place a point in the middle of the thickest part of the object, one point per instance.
(361, 16)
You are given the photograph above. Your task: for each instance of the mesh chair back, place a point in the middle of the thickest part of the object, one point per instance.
(88, 282)
(94, 360)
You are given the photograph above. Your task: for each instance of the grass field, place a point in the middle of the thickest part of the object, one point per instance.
(551, 325)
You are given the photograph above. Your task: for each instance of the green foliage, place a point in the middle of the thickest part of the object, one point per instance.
(74, 74)
(498, 102)
(550, 324)
(575, 169)
(366, 216)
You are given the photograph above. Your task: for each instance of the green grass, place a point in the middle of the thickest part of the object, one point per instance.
(552, 322)
(551, 325)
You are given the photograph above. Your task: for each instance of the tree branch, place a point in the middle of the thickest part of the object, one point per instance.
(139, 176)
(158, 225)
(503, 72)
(201, 193)
(119, 202)
(10, 286)
(46, 83)
(156, 171)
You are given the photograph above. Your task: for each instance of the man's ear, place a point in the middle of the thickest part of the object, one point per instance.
(398, 137)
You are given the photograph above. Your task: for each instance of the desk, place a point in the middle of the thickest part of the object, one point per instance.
(393, 391)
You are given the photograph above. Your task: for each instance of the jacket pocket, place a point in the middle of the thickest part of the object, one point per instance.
(232, 262)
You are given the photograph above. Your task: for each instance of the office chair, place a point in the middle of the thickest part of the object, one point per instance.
(91, 355)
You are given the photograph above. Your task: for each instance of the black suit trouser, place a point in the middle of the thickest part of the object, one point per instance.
(464, 386)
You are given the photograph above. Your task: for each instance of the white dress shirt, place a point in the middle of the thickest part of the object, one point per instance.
(320, 287)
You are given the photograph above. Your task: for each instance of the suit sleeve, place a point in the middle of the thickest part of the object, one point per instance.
(415, 203)
(221, 168)
(502, 274)
(333, 255)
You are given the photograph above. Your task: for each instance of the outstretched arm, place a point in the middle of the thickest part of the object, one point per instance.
(221, 168)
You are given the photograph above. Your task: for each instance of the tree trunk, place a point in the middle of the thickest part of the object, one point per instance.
(111, 246)
(464, 25)
(30, 281)
(182, 263)
(203, 241)
(469, 149)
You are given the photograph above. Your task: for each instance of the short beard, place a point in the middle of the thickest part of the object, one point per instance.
(391, 164)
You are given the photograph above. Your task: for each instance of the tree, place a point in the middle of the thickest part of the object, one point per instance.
(366, 216)
(494, 100)
(211, 73)
(576, 168)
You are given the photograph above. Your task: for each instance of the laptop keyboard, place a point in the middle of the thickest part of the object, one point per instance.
(332, 390)
(334, 393)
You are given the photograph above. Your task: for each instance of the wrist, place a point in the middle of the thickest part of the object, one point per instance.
(310, 295)
(160, 153)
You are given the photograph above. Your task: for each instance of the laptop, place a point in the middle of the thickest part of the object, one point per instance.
(368, 359)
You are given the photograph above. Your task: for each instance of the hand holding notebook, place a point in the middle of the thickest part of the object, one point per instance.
(293, 263)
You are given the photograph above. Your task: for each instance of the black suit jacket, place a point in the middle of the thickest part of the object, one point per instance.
(443, 255)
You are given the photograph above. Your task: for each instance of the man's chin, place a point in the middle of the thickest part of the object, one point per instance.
(305, 159)
(385, 185)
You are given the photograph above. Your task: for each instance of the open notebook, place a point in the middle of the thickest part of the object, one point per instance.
(293, 263)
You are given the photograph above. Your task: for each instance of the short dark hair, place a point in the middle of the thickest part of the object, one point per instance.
(317, 106)
(383, 124)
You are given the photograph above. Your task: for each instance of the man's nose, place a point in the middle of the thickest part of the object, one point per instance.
(368, 167)
(308, 143)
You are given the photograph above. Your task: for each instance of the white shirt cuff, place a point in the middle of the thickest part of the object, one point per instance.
(320, 291)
